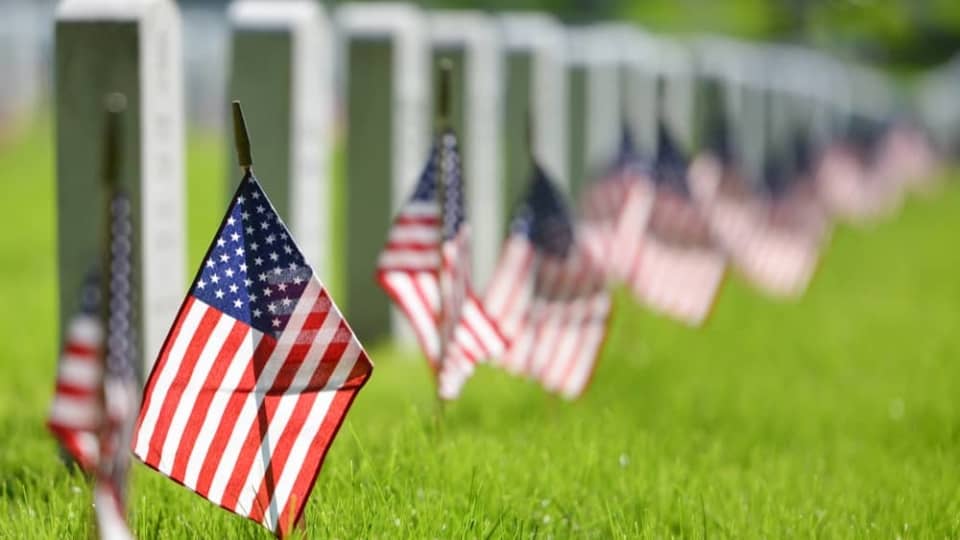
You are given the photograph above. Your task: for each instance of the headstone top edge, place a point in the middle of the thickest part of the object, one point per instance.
(468, 28)
(119, 10)
(273, 13)
(526, 32)
(593, 46)
(379, 19)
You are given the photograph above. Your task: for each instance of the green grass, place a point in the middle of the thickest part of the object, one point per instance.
(834, 416)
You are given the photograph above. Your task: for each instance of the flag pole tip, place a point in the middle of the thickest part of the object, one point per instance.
(444, 90)
(115, 102)
(114, 105)
(241, 138)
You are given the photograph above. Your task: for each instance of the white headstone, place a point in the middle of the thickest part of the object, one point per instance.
(282, 73)
(131, 47)
(387, 113)
(676, 69)
(539, 43)
(639, 84)
(475, 40)
(593, 60)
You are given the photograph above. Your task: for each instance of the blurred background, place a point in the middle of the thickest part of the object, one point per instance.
(905, 37)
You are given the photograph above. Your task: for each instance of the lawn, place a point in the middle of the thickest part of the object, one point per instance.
(833, 416)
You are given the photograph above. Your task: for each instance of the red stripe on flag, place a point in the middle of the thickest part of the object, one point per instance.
(172, 398)
(72, 390)
(406, 219)
(265, 413)
(211, 385)
(321, 442)
(319, 379)
(411, 246)
(232, 411)
(81, 351)
(162, 360)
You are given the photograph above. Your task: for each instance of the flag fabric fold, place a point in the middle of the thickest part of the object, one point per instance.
(425, 269)
(548, 293)
(617, 207)
(772, 238)
(120, 388)
(256, 375)
(96, 394)
(75, 413)
(672, 264)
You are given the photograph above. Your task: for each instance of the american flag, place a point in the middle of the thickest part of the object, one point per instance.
(772, 239)
(674, 266)
(548, 294)
(256, 375)
(851, 180)
(75, 413)
(618, 206)
(119, 380)
(96, 394)
(425, 270)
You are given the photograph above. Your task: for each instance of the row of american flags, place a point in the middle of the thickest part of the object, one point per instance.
(260, 368)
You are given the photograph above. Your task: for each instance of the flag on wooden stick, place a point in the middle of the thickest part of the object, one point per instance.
(425, 268)
(548, 294)
(120, 389)
(618, 207)
(96, 395)
(674, 266)
(75, 411)
(257, 373)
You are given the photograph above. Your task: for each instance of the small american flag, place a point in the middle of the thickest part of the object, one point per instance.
(851, 181)
(674, 266)
(75, 413)
(548, 294)
(256, 375)
(618, 207)
(425, 270)
(95, 401)
(119, 380)
(773, 238)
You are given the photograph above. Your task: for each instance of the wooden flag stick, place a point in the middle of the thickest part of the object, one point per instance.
(445, 319)
(444, 88)
(114, 106)
(241, 139)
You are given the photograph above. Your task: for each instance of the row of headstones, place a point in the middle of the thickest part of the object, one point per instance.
(575, 86)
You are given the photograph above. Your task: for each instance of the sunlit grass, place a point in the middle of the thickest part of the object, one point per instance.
(834, 416)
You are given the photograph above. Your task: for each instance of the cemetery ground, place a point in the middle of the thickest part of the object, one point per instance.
(834, 416)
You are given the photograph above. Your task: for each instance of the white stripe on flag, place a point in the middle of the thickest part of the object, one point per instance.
(415, 233)
(284, 409)
(69, 411)
(189, 396)
(79, 371)
(301, 446)
(247, 419)
(165, 378)
(231, 380)
(416, 260)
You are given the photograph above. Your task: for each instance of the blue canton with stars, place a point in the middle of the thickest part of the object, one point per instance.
(627, 157)
(543, 217)
(426, 191)
(254, 272)
(670, 166)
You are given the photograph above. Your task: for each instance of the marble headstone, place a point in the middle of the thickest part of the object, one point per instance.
(594, 102)
(535, 89)
(472, 41)
(387, 112)
(281, 70)
(134, 48)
